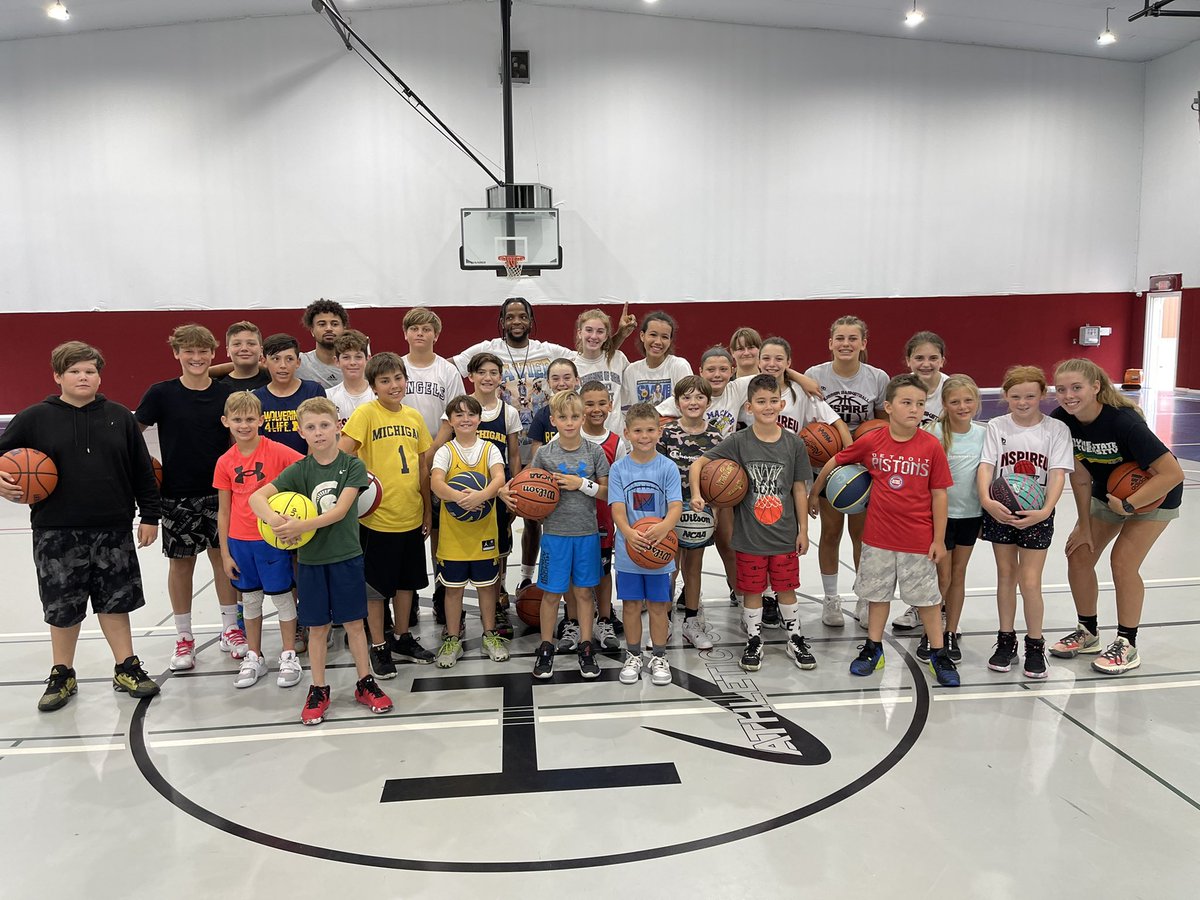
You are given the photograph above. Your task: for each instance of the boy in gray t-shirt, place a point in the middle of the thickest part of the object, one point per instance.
(770, 528)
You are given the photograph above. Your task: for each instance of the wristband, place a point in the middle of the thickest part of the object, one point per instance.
(589, 487)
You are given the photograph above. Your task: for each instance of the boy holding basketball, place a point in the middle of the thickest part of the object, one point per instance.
(905, 534)
(254, 567)
(642, 485)
(82, 542)
(770, 529)
(330, 577)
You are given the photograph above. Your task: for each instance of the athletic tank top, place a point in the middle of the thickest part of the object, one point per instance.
(458, 540)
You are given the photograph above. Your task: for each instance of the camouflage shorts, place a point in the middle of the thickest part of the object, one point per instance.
(74, 564)
(189, 526)
(881, 572)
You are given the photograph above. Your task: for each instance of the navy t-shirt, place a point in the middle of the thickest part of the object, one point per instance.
(280, 422)
(190, 434)
(540, 429)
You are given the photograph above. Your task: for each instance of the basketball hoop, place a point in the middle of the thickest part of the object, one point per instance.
(512, 264)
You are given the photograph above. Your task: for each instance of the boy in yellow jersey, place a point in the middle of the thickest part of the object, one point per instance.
(393, 442)
(468, 549)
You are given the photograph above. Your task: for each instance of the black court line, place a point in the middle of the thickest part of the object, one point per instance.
(64, 737)
(1121, 753)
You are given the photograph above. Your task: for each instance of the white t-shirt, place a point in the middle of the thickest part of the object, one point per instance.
(347, 402)
(642, 384)
(723, 412)
(524, 374)
(431, 388)
(608, 372)
(1028, 451)
(470, 455)
(855, 399)
(933, 403)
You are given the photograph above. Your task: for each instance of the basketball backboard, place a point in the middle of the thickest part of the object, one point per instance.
(489, 234)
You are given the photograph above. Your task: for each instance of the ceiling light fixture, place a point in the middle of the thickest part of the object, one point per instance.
(58, 11)
(1106, 36)
(914, 16)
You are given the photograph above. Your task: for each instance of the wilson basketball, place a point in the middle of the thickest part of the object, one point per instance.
(723, 483)
(695, 529)
(848, 489)
(370, 497)
(293, 505)
(534, 493)
(1123, 481)
(157, 467)
(34, 472)
(658, 555)
(467, 481)
(1017, 491)
(529, 606)
(868, 426)
(822, 441)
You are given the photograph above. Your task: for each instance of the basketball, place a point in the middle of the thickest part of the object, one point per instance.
(467, 481)
(822, 441)
(848, 488)
(695, 529)
(157, 467)
(658, 555)
(296, 506)
(868, 426)
(370, 497)
(34, 472)
(529, 606)
(1016, 491)
(723, 483)
(1122, 482)
(534, 493)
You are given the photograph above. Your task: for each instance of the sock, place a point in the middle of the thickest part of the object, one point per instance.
(1130, 634)
(690, 613)
(183, 625)
(1091, 623)
(660, 650)
(526, 572)
(790, 614)
(228, 617)
(752, 618)
(633, 648)
(829, 583)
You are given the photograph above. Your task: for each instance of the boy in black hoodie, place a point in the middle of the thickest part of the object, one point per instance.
(82, 544)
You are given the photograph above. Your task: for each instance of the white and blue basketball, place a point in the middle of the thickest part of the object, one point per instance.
(695, 529)
(467, 481)
(848, 488)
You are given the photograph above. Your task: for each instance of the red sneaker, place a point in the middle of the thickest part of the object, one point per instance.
(367, 693)
(315, 706)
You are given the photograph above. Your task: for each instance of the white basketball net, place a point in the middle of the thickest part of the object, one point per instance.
(512, 265)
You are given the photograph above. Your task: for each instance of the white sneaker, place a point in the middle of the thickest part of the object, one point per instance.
(290, 670)
(631, 672)
(604, 635)
(253, 668)
(694, 634)
(233, 642)
(185, 655)
(831, 612)
(907, 620)
(660, 670)
(862, 612)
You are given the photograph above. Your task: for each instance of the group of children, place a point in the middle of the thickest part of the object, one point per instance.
(624, 441)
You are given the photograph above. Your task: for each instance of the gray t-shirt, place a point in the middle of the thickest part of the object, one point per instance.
(575, 514)
(764, 522)
(855, 399)
(312, 369)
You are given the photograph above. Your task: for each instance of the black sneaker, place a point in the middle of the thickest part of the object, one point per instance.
(1006, 651)
(59, 687)
(770, 608)
(617, 624)
(923, 648)
(131, 678)
(543, 661)
(381, 662)
(1035, 657)
(503, 625)
(752, 655)
(558, 629)
(680, 602)
(943, 669)
(587, 661)
(801, 653)
(733, 600)
(407, 648)
(952, 649)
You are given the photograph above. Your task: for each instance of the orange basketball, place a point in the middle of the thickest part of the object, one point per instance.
(34, 472)
(534, 493)
(822, 441)
(157, 466)
(658, 555)
(723, 482)
(768, 510)
(529, 606)
(868, 426)
(1127, 478)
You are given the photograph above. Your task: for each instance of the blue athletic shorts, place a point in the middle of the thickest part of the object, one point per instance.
(635, 586)
(567, 561)
(333, 592)
(261, 567)
(456, 573)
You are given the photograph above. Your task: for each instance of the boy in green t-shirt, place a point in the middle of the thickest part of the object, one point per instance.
(330, 581)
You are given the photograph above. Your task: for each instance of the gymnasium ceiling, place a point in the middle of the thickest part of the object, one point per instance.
(1056, 26)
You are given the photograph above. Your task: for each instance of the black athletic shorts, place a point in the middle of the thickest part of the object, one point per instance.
(393, 560)
(189, 526)
(962, 532)
(75, 564)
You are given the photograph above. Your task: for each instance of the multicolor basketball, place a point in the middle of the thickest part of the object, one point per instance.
(1127, 478)
(768, 510)
(529, 606)
(33, 471)
(293, 505)
(370, 497)
(659, 554)
(868, 426)
(467, 481)
(157, 467)
(822, 441)
(534, 493)
(848, 489)
(723, 483)
(695, 529)
(1016, 491)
